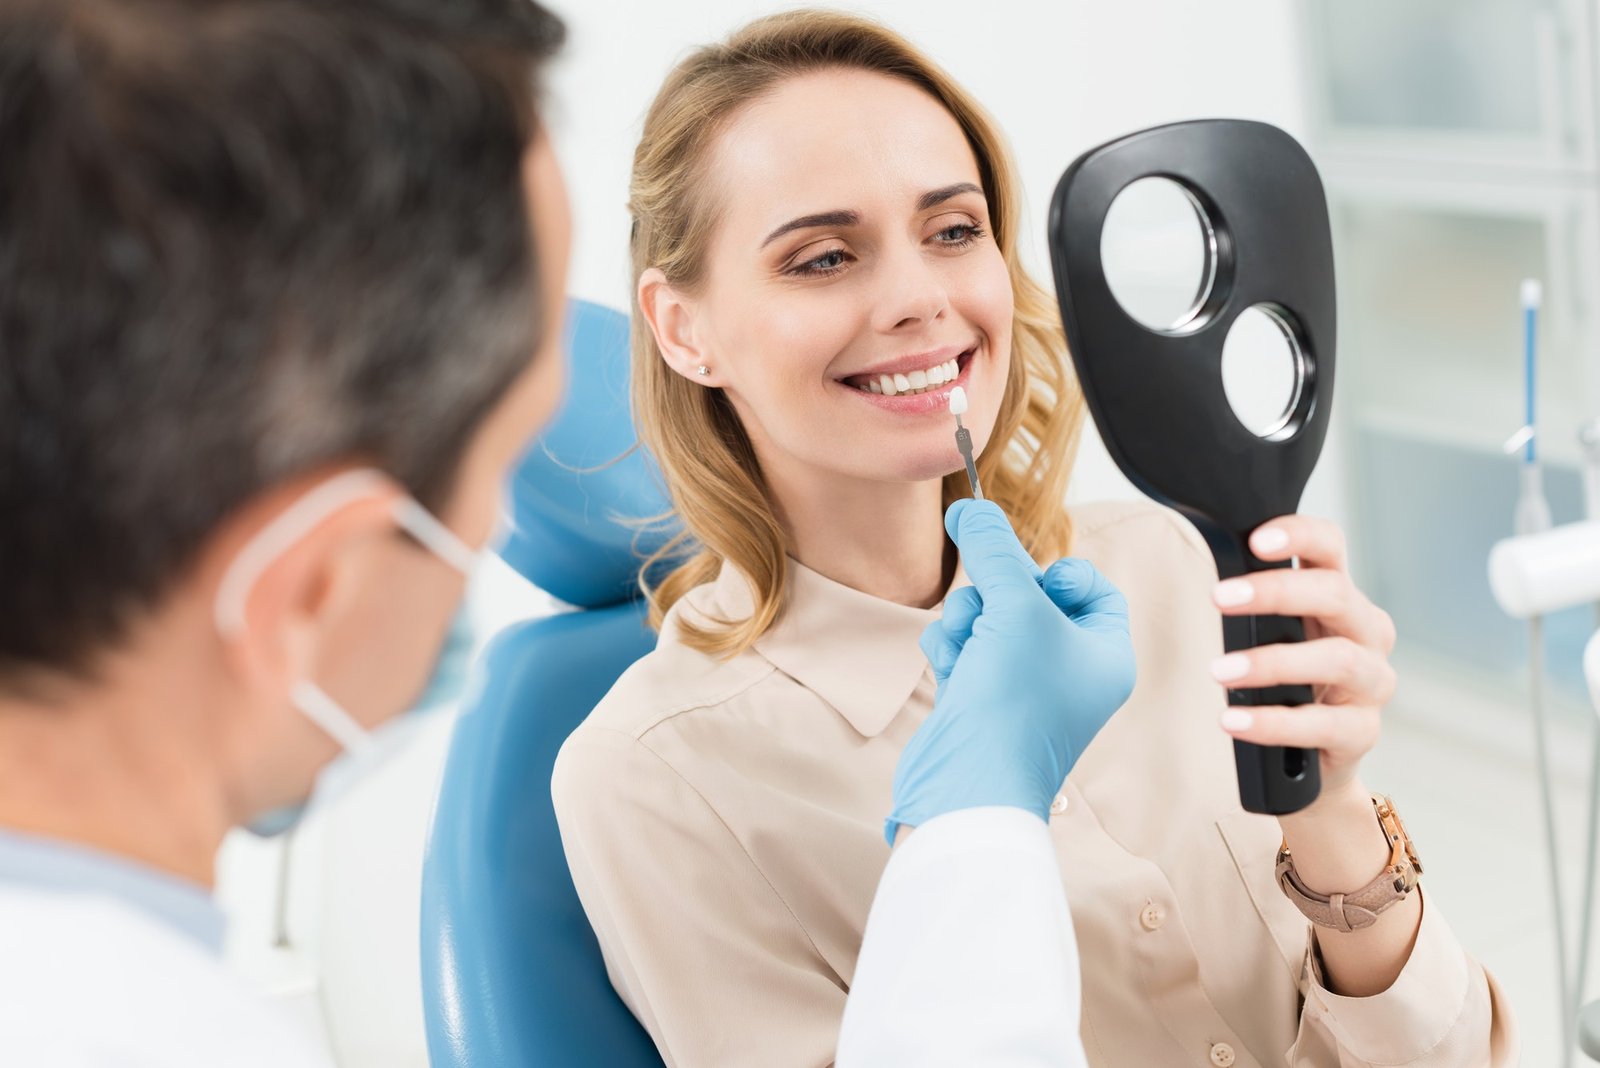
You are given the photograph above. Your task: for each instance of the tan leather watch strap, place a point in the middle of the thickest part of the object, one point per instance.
(1353, 911)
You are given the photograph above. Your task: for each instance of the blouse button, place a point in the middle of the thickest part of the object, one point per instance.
(1059, 805)
(1151, 918)
(1222, 1055)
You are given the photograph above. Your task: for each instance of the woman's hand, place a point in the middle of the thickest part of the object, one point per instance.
(1336, 841)
(1344, 659)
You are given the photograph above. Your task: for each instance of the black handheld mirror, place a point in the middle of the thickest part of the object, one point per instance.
(1156, 388)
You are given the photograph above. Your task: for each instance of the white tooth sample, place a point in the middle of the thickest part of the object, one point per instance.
(873, 387)
(958, 401)
(918, 379)
(935, 375)
(886, 385)
(902, 383)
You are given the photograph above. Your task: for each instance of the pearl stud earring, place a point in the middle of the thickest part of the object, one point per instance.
(702, 370)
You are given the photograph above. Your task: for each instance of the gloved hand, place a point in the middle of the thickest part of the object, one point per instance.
(1030, 665)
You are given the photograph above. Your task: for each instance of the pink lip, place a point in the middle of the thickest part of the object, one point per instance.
(935, 400)
(916, 361)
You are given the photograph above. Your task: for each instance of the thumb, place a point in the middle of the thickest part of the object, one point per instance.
(998, 565)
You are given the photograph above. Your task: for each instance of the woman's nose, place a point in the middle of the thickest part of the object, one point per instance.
(912, 293)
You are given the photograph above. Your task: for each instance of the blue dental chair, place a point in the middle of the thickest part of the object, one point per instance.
(512, 974)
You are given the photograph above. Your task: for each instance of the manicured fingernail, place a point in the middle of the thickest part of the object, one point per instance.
(1232, 666)
(1234, 591)
(1269, 539)
(1235, 720)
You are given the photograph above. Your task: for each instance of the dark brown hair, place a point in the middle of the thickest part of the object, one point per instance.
(240, 239)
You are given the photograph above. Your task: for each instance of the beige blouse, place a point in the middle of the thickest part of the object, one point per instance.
(724, 825)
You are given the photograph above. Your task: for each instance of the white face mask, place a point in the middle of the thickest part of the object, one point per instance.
(364, 749)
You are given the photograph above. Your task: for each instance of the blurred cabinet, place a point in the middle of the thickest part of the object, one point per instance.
(1457, 141)
(1498, 84)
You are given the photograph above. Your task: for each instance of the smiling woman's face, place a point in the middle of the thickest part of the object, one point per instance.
(852, 280)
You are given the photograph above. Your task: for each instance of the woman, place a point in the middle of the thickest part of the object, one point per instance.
(824, 243)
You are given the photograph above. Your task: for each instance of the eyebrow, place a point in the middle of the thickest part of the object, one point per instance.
(850, 218)
(825, 218)
(949, 192)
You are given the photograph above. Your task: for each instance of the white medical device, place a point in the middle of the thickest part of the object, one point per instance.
(1535, 574)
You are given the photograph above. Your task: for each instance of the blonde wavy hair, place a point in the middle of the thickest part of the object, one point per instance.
(717, 491)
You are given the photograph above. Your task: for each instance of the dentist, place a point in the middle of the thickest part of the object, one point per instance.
(276, 317)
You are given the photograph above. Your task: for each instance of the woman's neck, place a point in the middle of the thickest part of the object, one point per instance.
(886, 539)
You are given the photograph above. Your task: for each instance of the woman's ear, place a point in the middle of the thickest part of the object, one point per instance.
(672, 317)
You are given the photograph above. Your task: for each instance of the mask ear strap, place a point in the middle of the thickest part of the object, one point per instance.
(274, 539)
(426, 528)
(294, 523)
(328, 714)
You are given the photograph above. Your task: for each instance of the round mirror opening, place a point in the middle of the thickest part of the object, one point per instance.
(1263, 370)
(1159, 253)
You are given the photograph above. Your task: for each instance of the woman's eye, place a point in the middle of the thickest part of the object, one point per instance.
(827, 263)
(959, 235)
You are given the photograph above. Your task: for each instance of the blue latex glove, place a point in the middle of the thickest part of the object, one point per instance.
(1030, 665)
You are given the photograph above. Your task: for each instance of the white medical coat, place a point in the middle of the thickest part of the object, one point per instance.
(106, 964)
(969, 956)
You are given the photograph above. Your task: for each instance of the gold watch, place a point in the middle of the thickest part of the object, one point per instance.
(1353, 911)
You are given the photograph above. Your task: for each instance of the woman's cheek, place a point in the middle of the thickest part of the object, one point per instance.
(804, 332)
(991, 309)
(985, 291)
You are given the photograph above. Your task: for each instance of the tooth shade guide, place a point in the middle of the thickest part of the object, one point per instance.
(958, 405)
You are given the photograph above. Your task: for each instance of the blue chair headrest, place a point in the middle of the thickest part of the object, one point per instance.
(571, 497)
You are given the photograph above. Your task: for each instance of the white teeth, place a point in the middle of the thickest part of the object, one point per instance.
(916, 381)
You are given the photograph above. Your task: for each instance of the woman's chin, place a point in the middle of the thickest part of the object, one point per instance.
(928, 464)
